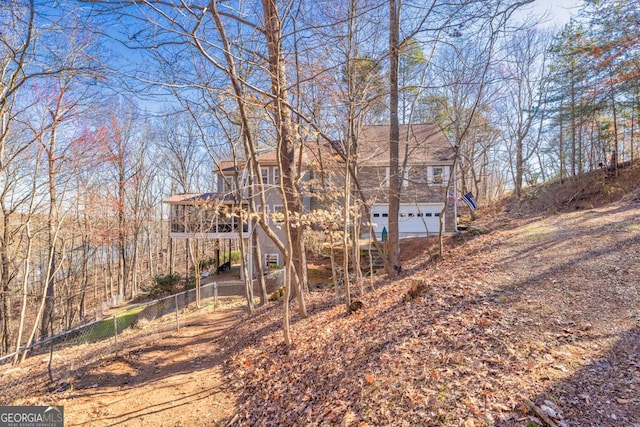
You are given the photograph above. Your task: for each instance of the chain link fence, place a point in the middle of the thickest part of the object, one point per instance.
(110, 328)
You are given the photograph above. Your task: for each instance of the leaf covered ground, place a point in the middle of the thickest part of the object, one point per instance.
(536, 321)
(527, 320)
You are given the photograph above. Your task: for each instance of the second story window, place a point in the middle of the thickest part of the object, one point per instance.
(276, 176)
(437, 175)
(278, 214)
(265, 175)
(227, 184)
(405, 177)
(387, 177)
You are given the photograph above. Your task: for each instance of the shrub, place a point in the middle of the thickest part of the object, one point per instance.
(315, 242)
(164, 285)
(206, 263)
(235, 257)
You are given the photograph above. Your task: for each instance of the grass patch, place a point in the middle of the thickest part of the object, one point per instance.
(105, 328)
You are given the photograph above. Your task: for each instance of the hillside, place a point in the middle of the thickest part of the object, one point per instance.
(532, 318)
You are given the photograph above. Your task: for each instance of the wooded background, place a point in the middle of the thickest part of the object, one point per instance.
(108, 107)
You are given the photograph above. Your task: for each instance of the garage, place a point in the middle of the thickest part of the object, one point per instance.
(413, 219)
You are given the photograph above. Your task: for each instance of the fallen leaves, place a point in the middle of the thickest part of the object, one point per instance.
(490, 325)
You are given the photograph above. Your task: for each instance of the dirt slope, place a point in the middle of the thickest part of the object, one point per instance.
(160, 378)
(536, 314)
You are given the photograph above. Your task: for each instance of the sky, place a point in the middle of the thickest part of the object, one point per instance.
(559, 11)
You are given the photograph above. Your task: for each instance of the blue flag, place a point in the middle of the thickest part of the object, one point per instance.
(470, 201)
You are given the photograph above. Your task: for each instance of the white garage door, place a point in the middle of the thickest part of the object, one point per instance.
(414, 219)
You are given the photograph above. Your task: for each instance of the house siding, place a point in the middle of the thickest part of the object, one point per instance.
(426, 147)
(418, 190)
(272, 198)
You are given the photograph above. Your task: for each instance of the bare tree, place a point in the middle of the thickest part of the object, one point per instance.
(466, 78)
(394, 137)
(522, 108)
(16, 54)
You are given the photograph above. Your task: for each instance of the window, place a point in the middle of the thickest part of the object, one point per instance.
(323, 179)
(387, 177)
(376, 215)
(427, 214)
(259, 211)
(385, 215)
(419, 214)
(265, 175)
(402, 214)
(278, 214)
(271, 260)
(437, 214)
(437, 175)
(216, 182)
(276, 175)
(228, 184)
(411, 214)
(245, 179)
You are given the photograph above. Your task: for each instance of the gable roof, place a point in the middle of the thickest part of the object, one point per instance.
(265, 158)
(422, 143)
(197, 198)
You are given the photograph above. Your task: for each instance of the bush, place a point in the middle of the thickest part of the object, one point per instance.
(164, 285)
(206, 263)
(277, 294)
(315, 242)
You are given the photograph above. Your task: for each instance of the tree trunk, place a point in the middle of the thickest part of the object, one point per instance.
(614, 111)
(6, 280)
(345, 231)
(244, 254)
(254, 247)
(519, 166)
(194, 255)
(52, 224)
(25, 292)
(122, 255)
(394, 139)
(286, 148)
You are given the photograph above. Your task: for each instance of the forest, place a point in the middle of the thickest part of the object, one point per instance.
(108, 107)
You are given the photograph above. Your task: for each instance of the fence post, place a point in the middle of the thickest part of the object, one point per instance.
(115, 332)
(215, 295)
(177, 316)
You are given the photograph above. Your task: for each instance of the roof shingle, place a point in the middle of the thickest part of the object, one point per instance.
(422, 143)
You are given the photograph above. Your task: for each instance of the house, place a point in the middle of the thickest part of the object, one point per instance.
(426, 157)
(210, 216)
(204, 215)
(230, 172)
(218, 215)
(426, 161)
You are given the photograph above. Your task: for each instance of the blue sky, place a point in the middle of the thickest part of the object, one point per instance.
(559, 11)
